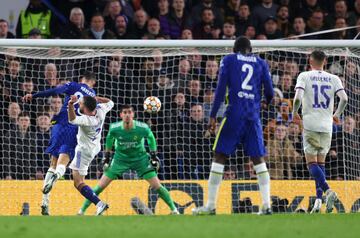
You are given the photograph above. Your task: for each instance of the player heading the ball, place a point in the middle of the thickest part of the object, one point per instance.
(315, 90)
(243, 75)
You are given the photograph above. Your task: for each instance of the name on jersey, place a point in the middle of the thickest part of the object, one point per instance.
(320, 79)
(128, 144)
(87, 91)
(246, 58)
(246, 95)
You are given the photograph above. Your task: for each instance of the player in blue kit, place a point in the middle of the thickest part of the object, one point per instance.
(243, 75)
(63, 134)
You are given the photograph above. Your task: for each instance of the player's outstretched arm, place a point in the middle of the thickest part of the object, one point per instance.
(47, 93)
(341, 106)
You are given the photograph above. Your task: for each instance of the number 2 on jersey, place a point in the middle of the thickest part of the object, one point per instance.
(249, 70)
(323, 89)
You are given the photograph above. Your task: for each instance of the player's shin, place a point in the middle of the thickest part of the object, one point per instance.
(264, 183)
(60, 170)
(215, 179)
(165, 195)
(97, 190)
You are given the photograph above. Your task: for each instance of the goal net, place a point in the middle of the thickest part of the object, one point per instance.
(184, 79)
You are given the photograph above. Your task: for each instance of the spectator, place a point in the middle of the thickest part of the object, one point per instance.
(230, 173)
(250, 32)
(283, 22)
(356, 11)
(292, 68)
(262, 12)
(196, 147)
(176, 20)
(112, 10)
(316, 23)
(243, 20)
(97, 29)
(139, 27)
(340, 22)
(179, 109)
(186, 34)
(4, 30)
(51, 79)
(73, 29)
(208, 28)
(37, 16)
(299, 26)
(163, 7)
(282, 156)
(306, 8)
(270, 29)
(19, 150)
(121, 28)
(158, 60)
(195, 60)
(13, 113)
(42, 138)
(228, 31)
(194, 92)
(341, 11)
(211, 74)
(153, 29)
(183, 75)
(295, 137)
(287, 86)
(13, 78)
(197, 11)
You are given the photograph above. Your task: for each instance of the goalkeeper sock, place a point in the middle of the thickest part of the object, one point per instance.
(319, 176)
(263, 177)
(165, 195)
(45, 197)
(97, 190)
(215, 178)
(87, 192)
(60, 170)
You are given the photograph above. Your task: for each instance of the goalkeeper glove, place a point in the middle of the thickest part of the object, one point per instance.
(154, 161)
(105, 162)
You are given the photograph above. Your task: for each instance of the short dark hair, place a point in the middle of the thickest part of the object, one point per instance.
(242, 45)
(318, 55)
(97, 14)
(43, 114)
(88, 75)
(3, 20)
(90, 103)
(24, 114)
(126, 106)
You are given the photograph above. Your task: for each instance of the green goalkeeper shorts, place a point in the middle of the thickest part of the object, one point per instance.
(142, 167)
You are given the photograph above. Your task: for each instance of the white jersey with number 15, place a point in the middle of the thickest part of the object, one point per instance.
(320, 88)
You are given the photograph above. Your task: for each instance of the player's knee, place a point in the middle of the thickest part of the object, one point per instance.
(257, 160)
(220, 158)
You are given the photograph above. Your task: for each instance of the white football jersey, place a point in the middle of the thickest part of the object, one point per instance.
(90, 127)
(320, 88)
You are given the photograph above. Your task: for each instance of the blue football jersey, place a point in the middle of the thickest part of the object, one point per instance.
(243, 78)
(72, 88)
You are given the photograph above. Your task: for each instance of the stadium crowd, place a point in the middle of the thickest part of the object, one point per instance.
(185, 84)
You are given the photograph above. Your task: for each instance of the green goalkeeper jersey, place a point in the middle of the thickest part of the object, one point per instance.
(129, 144)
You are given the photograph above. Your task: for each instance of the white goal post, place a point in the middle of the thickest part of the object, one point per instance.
(183, 74)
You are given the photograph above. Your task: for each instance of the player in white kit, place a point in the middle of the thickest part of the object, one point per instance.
(88, 141)
(316, 90)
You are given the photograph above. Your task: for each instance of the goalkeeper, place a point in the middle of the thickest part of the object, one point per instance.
(129, 136)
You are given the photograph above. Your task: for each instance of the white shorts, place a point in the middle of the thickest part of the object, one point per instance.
(82, 160)
(317, 142)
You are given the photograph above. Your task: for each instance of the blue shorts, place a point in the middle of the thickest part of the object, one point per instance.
(62, 140)
(232, 132)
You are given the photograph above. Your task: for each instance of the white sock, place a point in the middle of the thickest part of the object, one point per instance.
(215, 179)
(45, 197)
(60, 170)
(264, 183)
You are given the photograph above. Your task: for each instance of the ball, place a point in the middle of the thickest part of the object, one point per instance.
(152, 104)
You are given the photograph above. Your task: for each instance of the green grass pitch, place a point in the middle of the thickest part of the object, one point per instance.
(220, 226)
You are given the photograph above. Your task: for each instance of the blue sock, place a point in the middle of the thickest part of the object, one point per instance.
(319, 191)
(87, 192)
(319, 176)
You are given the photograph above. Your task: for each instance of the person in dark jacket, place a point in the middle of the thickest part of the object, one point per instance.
(73, 30)
(97, 29)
